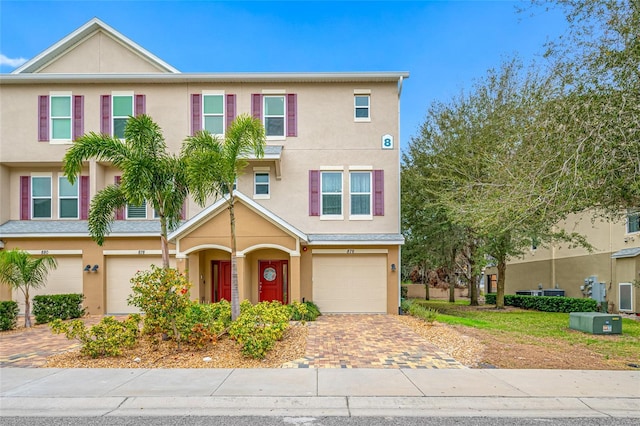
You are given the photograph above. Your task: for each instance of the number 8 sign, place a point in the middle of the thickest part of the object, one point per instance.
(387, 142)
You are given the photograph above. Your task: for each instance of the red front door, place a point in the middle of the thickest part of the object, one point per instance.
(221, 279)
(273, 280)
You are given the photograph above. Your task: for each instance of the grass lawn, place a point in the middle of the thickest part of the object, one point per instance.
(523, 324)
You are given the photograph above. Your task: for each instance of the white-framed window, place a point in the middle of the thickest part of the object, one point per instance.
(213, 113)
(633, 221)
(68, 205)
(360, 194)
(331, 193)
(625, 297)
(362, 107)
(261, 185)
(274, 114)
(122, 109)
(41, 197)
(137, 212)
(60, 114)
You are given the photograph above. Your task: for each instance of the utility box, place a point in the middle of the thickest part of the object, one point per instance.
(595, 322)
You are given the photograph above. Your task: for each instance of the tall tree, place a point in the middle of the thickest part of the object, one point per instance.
(21, 271)
(213, 165)
(150, 174)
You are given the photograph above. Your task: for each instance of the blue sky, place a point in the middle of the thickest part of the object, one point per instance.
(444, 45)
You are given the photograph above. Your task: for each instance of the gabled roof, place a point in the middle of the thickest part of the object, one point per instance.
(221, 205)
(85, 31)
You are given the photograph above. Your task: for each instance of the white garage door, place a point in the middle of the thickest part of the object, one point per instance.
(65, 279)
(120, 270)
(350, 284)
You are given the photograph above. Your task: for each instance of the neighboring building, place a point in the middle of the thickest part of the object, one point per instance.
(606, 274)
(317, 217)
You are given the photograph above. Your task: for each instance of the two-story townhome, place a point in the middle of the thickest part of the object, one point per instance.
(606, 274)
(317, 216)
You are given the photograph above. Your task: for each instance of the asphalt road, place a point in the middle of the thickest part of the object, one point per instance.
(313, 421)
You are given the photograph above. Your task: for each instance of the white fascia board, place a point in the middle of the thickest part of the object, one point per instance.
(357, 243)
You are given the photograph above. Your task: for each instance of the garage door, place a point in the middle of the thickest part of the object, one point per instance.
(120, 270)
(66, 278)
(350, 284)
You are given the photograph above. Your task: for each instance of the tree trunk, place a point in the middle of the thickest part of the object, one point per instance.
(27, 308)
(426, 283)
(502, 268)
(451, 279)
(235, 298)
(473, 281)
(164, 243)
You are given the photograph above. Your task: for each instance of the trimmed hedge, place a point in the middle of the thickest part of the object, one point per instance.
(8, 315)
(47, 308)
(546, 303)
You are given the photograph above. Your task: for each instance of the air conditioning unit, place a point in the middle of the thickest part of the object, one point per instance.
(553, 292)
(529, 293)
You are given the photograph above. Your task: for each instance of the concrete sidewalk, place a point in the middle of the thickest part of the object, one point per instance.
(319, 392)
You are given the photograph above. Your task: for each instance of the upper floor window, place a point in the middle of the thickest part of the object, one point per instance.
(67, 199)
(360, 191)
(60, 117)
(213, 113)
(137, 212)
(274, 114)
(261, 185)
(331, 193)
(633, 221)
(41, 197)
(362, 107)
(122, 110)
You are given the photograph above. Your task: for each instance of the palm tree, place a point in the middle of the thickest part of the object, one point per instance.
(212, 168)
(21, 271)
(149, 174)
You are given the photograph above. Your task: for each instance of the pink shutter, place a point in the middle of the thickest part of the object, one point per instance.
(78, 116)
(25, 197)
(43, 118)
(314, 192)
(105, 114)
(292, 119)
(141, 105)
(231, 109)
(256, 106)
(196, 113)
(119, 212)
(84, 197)
(378, 192)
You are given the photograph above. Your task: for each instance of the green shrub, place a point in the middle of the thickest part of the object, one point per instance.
(303, 311)
(47, 308)
(201, 324)
(404, 291)
(259, 326)
(163, 295)
(107, 338)
(546, 303)
(405, 304)
(8, 315)
(419, 311)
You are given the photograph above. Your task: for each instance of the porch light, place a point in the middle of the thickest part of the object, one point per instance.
(95, 268)
(393, 267)
(87, 268)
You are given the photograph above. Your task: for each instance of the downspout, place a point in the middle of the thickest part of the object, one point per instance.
(400, 81)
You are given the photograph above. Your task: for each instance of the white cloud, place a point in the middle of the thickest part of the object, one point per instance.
(11, 61)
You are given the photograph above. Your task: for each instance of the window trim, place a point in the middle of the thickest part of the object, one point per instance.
(113, 104)
(282, 96)
(356, 107)
(353, 216)
(51, 117)
(256, 183)
(339, 216)
(203, 115)
(50, 197)
(66, 197)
